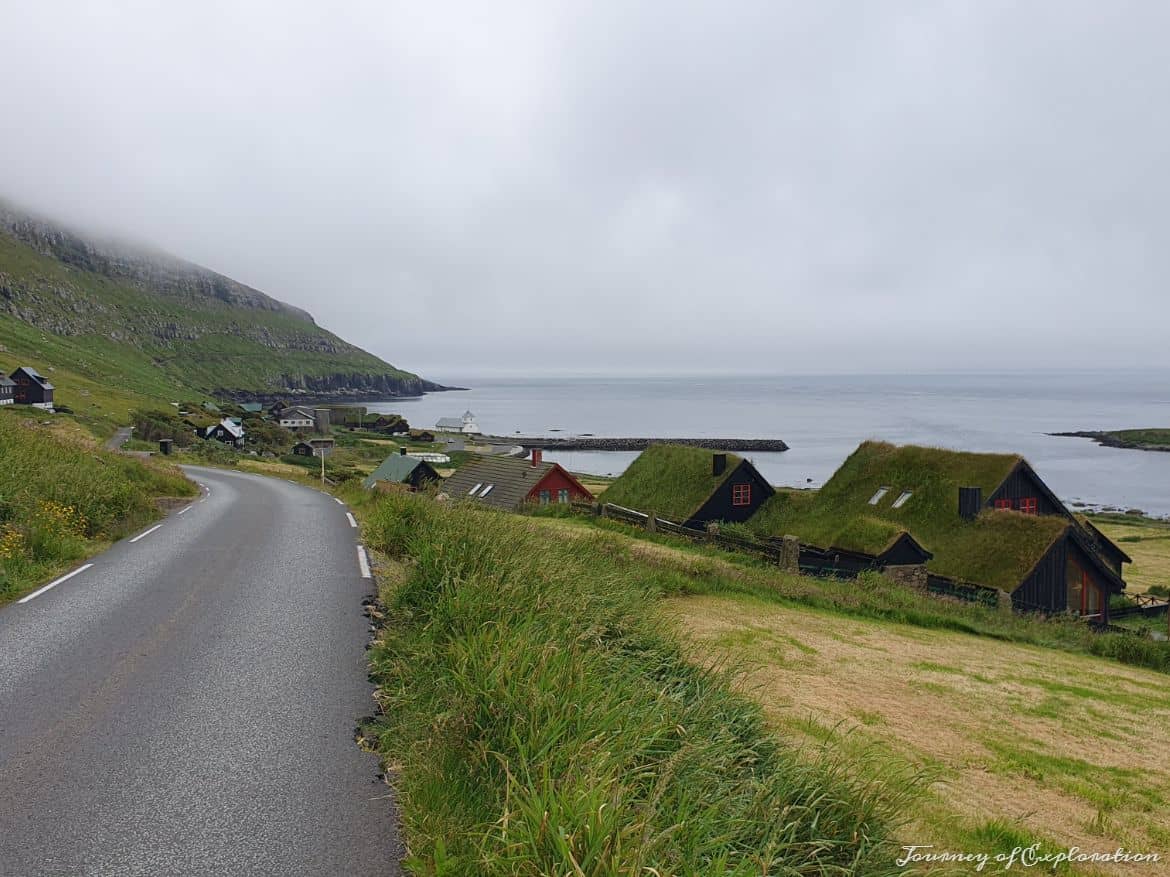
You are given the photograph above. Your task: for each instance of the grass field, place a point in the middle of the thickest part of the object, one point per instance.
(1065, 749)
(542, 719)
(1147, 541)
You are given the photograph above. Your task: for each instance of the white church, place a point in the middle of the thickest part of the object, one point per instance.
(466, 425)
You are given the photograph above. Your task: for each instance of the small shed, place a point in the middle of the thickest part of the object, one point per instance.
(402, 469)
(314, 447)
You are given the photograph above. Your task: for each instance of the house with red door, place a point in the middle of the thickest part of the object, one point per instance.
(512, 482)
(986, 519)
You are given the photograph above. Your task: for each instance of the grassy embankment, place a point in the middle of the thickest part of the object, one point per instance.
(62, 498)
(1147, 541)
(544, 720)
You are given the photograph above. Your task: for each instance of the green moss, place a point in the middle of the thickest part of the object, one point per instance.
(672, 481)
(999, 548)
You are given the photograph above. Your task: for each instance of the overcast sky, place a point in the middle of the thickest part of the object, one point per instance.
(725, 186)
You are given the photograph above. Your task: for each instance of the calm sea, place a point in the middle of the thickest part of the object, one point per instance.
(824, 418)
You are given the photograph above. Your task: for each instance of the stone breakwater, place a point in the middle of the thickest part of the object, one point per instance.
(595, 443)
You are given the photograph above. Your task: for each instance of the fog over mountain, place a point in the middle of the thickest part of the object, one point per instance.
(746, 186)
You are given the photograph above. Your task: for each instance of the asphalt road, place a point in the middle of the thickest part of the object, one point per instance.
(186, 705)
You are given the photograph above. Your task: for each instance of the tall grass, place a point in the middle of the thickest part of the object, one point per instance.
(61, 498)
(546, 723)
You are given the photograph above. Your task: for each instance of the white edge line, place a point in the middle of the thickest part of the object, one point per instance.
(339, 502)
(352, 522)
(50, 585)
(363, 562)
(147, 533)
(185, 510)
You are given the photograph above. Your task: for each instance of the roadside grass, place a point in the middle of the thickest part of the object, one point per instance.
(62, 498)
(543, 719)
(1017, 744)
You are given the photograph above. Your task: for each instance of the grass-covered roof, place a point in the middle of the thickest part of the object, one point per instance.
(673, 481)
(999, 548)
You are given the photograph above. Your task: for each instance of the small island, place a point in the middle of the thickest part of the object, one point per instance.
(1135, 439)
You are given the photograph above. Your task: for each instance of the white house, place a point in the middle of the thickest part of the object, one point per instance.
(297, 418)
(466, 425)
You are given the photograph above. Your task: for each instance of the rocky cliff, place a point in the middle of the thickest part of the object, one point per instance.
(204, 330)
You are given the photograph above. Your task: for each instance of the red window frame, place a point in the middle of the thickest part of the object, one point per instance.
(741, 494)
(1003, 504)
(1030, 505)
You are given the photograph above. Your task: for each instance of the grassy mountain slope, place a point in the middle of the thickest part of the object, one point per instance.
(157, 326)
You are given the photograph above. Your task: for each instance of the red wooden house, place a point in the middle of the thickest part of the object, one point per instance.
(510, 482)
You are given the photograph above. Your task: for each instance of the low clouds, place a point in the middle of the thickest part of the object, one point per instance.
(759, 187)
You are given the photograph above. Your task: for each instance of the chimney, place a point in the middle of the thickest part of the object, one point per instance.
(970, 502)
(718, 464)
(402, 451)
(537, 456)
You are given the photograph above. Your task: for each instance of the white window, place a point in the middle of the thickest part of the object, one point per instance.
(877, 497)
(903, 499)
(478, 485)
(486, 490)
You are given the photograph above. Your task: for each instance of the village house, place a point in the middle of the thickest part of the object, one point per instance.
(690, 486)
(402, 469)
(251, 407)
(31, 388)
(297, 419)
(511, 483)
(314, 447)
(229, 431)
(465, 424)
(7, 390)
(987, 519)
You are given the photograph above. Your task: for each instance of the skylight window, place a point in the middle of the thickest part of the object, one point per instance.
(478, 485)
(486, 491)
(903, 499)
(877, 497)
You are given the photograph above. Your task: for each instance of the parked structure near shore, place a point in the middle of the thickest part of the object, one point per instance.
(598, 443)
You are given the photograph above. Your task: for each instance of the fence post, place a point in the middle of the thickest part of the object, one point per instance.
(601, 507)
(652, 522)
(790, 554)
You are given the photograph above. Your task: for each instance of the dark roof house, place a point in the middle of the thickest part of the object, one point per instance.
(229, 431)
(7, 390)
(402, 469)
(314, 447)
(510, 482)
(691, 486)
(31, 388)
(986, 518)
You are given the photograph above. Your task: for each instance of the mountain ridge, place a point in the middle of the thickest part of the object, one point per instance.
(200, 330)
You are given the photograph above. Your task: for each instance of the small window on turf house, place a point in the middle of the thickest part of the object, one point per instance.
(741, 494)
(1029, 505)
(544, 495)
(1003, 504)
(563, 495)
(877, 497)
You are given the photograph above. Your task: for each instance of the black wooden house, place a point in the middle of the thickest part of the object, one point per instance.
(31, 388)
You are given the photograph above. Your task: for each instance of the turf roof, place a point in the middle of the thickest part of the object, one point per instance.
(673, 481)
(999, 548)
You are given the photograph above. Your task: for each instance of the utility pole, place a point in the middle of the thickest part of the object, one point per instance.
(322, 454)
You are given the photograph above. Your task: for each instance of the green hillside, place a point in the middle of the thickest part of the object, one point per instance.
(114, 323)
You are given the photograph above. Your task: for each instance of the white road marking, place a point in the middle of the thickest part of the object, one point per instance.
(352, 522)
(147, 533)
(187, 509)
(339, 502)
(51, 585)
(364, 563)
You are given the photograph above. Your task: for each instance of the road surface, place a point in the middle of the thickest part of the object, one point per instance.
(186, 705)
(119, 438)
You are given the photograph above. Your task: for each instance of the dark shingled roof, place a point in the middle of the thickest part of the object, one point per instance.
(512, 479)
(36, 376)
